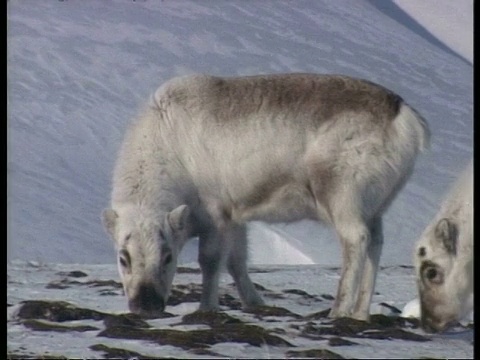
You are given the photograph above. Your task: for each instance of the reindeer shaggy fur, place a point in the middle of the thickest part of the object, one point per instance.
(209, 154)
(444, 259)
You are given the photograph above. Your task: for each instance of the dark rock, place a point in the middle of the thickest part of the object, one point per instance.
(273, 295)
(297, 292)
(206, 352)
(116, 353)
(327, 297)
(188, 287)
(259, 287)
(397, 266)
(320, 315)
(338, 341)
(74, 273)
(354, 324)
(380, 327)
(391, 307)
(62, 284)
(45, 326)
(15, 356)
(230, 301)
(210, 318)
(108, 293)
(412, 323)
(255, 270)
(66, 283)
(77, 274)
(56, 311)
(314, 353)
(187, 270)
(239, 333)
(265, 310)
(128, 319)
(184, 293)
(380, 320)
(193, 292)
(302, 293)
(393, 334)
(312, 331)
(333, 268)
(112, 283)
(280, 331)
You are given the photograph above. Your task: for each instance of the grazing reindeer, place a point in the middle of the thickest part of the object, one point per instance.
(444, 259)
(209, 154)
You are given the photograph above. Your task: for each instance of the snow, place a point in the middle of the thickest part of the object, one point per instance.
(79, 70)
(451, 22)
(412, 309)
(29, 280)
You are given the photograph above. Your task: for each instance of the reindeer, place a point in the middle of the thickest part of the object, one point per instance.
(444, 259)
(208, 154)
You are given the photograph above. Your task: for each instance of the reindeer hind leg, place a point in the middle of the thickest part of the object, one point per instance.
(367, 285)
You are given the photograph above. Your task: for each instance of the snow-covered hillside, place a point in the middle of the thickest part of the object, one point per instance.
(450, 22)
(79, 70)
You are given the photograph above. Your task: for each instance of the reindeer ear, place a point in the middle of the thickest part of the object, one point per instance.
(177, 218)
(109, 219)
(447, 232)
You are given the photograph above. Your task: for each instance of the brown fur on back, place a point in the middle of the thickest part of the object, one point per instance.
(333, 94)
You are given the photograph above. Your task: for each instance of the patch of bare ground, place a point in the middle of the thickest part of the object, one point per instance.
(194, 339)
(379, 327)
(313, 354)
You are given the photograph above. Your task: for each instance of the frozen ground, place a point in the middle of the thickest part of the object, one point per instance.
(79, 70)
(301, 289)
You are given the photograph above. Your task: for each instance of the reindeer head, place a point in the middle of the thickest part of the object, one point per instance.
(442, 276)
(147, 253)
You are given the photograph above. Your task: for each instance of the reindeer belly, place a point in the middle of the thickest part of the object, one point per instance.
(285, 204)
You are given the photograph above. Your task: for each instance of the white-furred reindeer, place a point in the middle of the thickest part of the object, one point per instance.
(444, 259)
(209, 154)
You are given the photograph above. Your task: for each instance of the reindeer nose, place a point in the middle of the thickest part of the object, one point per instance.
(434, 326)
(147, 302)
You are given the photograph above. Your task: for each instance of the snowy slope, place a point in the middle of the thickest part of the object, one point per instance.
(451, 22)
(79, 70)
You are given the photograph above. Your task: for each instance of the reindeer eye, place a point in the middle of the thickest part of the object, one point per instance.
(124, 258)
(166, 255)
(161, 234)
(433, 275)
(422, 252)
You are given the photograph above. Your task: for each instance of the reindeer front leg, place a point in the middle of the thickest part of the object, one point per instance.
(211, 259)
